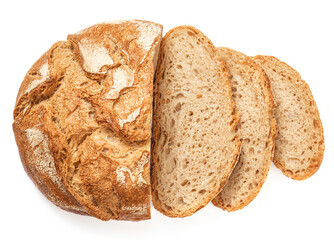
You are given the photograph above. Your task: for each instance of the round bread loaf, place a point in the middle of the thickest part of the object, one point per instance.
(82, 120)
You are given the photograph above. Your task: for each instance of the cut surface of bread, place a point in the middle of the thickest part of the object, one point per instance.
(299, 144)
(194, 146)
(84, 111)
(256, 130)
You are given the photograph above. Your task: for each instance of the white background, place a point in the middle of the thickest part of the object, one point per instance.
(297, 32)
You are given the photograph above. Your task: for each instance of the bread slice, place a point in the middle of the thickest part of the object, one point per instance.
(84, 113)
(194, 146)
(256, 130)
(299, 145)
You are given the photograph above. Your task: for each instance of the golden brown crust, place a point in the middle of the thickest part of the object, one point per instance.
(132, 55)
(293, 77)
(90, 113)
(37, 160)
(48, 183)
(234, 117)
(264, 83)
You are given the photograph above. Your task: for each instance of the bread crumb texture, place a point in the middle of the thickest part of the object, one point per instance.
(194, 141)
(82, 120)
(256, 129)
(299, 144)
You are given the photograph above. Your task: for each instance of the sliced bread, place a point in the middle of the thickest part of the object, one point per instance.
(256, 130)
(299, 145)
(194, 146)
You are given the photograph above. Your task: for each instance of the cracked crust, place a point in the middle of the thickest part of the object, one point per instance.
(38, 160)
(83, 126)
(32, 137)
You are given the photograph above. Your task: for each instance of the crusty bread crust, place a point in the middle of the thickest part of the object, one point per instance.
(83, 115)
(45, 178)
(236, 60)
(285, 73)
(158, 203)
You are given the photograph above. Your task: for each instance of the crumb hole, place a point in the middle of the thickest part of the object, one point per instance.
(184, 183)
(179, 95)
(172, 123)
(178, 107)
(202, 191)
(180, 201)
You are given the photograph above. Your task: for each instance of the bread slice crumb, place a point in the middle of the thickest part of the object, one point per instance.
(256, 129)
(300, 144)
(194, 146)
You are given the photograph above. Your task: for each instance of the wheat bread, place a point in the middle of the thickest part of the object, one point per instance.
(83, 116)
(299, 144)
(256, 130)
(194, 145)
(31, 128)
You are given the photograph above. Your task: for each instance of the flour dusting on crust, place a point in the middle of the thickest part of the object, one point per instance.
(142, 162)
(94, 56)
(44, 72)
(148, 33)
(130, 118)
(42, 158)
(122, 77)
(136, 177)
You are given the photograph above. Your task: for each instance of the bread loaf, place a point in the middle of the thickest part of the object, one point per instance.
(299, 145)
(194, 146)
(82, 120)
(256, 129)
